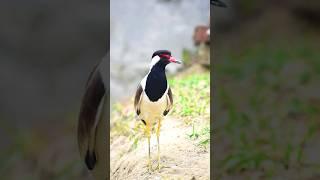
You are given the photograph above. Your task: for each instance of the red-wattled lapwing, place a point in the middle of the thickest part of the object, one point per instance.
(92, 125)
(153, 99)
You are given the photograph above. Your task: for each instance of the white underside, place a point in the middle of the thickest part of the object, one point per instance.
(152, 111)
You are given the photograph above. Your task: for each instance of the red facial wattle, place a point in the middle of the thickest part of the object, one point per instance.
(170, 58)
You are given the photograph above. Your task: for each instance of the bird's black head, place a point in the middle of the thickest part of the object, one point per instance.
(161, 52)
(162, 58)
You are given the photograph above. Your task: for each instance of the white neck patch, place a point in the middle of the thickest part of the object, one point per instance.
(154, 61)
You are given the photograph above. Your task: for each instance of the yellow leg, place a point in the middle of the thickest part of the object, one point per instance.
(158, 135)
(148, 135)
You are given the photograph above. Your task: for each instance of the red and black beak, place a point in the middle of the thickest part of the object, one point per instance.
(174, 60)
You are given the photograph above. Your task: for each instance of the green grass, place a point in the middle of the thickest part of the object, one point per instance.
(201, 135)
(192, 104)
(124, 123)
(191, 95)
(255, 118)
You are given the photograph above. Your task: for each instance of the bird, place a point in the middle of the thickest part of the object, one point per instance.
(153, 98)
(217, 3)
(92, 122)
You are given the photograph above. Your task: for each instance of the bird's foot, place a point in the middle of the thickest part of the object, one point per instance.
(159, 166)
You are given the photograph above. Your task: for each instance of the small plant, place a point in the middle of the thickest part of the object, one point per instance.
(202, 136)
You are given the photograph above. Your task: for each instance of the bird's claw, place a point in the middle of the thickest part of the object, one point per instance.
(158, 167)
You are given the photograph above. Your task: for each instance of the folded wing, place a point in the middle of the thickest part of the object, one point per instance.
(169, 99)
(89, 117)
(137, 99)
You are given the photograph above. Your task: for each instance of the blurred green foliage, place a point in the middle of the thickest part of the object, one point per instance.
(270, 124)
(192, 104)
(188, 90)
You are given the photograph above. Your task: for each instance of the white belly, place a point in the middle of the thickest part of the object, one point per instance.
(150, 111)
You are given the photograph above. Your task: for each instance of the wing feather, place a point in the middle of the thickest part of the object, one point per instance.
(169, 99)
(137, 99)
(88, 118)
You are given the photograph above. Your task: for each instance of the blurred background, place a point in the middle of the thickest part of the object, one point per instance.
(267, 102)
(47, 50)
(139, 28)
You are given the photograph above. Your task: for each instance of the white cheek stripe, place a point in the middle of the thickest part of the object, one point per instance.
(144, 81)
(154, 61)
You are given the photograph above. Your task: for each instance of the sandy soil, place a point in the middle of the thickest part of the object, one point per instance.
(181, 158)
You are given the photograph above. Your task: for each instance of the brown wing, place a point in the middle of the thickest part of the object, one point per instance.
(137, 99)
(88, 117)
(169, 102)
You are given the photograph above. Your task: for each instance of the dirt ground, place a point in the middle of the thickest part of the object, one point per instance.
(181, 158)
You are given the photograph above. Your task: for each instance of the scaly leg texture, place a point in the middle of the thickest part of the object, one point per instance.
(158, 135)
